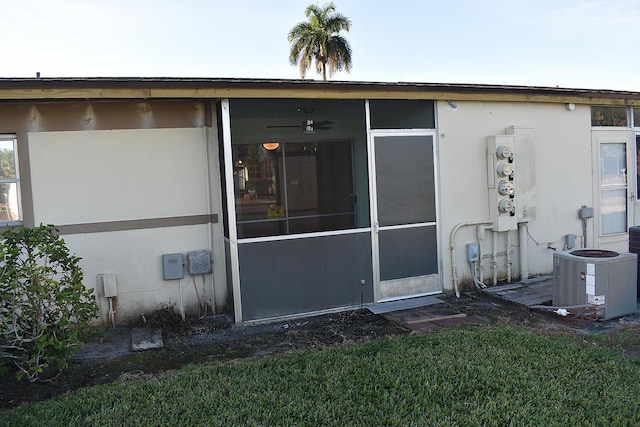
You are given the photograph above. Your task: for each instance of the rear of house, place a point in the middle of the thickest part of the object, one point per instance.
(270, 198)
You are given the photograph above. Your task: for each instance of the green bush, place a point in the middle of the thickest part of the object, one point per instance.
(44, 306)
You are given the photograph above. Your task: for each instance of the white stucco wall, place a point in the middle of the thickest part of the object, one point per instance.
(563, 174)
(96, 177)
(135, 258)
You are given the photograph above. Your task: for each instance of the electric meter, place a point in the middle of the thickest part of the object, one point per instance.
(505, 206)
(504, 152)
(505, 170)
(506, 188)
(501, 181)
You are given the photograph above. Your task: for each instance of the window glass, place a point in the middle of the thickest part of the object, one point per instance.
(614, 211)
(402, 114)
(636, 117)
(613, 190)
(638, 167)
(293, 187)
(9, 202)
(609, 116)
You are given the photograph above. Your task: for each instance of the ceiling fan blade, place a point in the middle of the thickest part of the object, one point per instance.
(283, 126)
(322, 127)
(323, 123)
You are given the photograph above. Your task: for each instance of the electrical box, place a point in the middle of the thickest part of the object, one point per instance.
(472, 252)
(525, 182)
(501, 181)
(199, 262)
(569, 241)
(172, 266)
(585, 212)
(109, 285)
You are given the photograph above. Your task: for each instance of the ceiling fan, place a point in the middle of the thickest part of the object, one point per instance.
(308, 125)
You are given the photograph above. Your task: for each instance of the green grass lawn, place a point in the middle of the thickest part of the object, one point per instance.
(471, 375)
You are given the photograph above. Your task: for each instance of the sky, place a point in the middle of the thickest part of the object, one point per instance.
(590, 44)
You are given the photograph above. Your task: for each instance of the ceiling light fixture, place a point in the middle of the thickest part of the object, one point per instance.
(271, 145)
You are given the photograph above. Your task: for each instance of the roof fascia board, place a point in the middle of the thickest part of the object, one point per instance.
(189, 89)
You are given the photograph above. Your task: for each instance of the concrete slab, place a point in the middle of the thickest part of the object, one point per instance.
(146, 339)
(529, 293)
(115, 342)
(405, 304)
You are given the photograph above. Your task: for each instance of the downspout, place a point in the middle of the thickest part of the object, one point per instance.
(524, 256)
(452, 244)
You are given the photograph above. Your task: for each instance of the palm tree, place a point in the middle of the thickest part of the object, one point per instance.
(318, 39)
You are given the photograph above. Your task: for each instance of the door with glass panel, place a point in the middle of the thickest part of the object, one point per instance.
(636, 181)
(613, 189)
(404, 231)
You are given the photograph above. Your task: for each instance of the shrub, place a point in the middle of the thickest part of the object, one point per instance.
(44, 306)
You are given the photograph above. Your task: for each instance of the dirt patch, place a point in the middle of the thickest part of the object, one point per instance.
(214, 338)
(201, 340)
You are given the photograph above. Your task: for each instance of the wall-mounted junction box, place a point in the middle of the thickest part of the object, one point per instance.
(585, 212)
(109, 285)
(472, 252)
(569, 241)
(172, 266)
(199, 262)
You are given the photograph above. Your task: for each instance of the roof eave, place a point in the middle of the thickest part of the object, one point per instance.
(166, 87)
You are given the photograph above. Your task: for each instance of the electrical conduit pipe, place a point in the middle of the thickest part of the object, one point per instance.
(524, 256)
(494, 258)
(452, 244)
(481, 233)
(509, 273)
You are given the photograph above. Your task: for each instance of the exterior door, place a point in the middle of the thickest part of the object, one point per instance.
(613, 188)
(404, 231)
(636, 182)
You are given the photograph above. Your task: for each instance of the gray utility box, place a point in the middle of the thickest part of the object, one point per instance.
(606, 279)
(199, 262)
(172, 266)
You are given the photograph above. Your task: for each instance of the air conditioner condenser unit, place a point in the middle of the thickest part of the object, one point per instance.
(605, 279)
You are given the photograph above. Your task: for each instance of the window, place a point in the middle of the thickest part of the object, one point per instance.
(9, 183)
(637, 167)
(613, 188)
(609, 116)
(293, 187)
(402, 114)
(636, 117)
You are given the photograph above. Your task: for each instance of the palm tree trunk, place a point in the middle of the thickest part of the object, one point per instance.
(323, 58)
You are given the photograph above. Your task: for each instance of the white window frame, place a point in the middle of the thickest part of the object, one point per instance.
(628, 110)
(16, 181)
